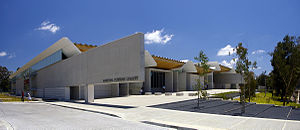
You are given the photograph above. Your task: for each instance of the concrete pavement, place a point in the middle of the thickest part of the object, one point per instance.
(37, 116)
(141, 113)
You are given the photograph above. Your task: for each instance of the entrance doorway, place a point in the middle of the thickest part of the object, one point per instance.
(74, 92)
(157, 81)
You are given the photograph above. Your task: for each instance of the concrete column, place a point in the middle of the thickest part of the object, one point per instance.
(181, 81)
(67, 93)
(147, 85)
(175, 81)
(89, 93)
(188, 82)
(169, 81)
(212, 80)
(115, 90)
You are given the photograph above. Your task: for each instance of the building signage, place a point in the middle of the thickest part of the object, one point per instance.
(119, 79)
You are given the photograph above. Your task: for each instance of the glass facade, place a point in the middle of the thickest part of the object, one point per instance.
(157, 80)
(55, 57)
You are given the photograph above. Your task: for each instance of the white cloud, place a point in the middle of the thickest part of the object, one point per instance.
(3, 53)
(9, 55)
(156, 37)
(47, 26)
(13, 55)
(258, 52)
(229, 64)
(184, 60)
(226, 51)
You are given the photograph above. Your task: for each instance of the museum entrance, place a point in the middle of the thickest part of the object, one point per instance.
(157, 81)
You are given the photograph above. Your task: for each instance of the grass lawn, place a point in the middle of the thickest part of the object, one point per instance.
(226, 95)
(261, 99)
(4, 97)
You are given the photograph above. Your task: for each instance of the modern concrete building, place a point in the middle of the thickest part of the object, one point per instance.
(67, 70)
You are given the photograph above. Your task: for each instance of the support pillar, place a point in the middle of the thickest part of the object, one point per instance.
(212, 80)
(89, 93)
(169, 81)
(147, 85)
(175, 81)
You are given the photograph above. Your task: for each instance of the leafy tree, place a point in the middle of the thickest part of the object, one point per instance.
(264, 80)
(243, 66)
(261, 79)
(203, 59)
(286, 65)
(251, 86)
(4, 79)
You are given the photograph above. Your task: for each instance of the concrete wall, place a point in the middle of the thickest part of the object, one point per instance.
(227, 78)
(115, 90)
(102, 91)
(118, 61)
(192, 81)
(224, 80)
(134, 88)
(39, 92)
(124, 89)
(55, 93)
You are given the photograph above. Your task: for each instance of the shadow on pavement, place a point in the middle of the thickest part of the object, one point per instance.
(233, 108)
(96, 104)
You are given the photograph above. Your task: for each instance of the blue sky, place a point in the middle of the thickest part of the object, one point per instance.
(175, 29)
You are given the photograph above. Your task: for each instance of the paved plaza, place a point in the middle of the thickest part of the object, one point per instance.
(41, 116)
(140, 108)
(147, 112)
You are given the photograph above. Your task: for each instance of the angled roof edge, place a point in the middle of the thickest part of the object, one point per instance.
(65, 44)
(149, 61)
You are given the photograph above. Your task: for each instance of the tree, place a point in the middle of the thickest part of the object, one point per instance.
(251, 86)
(261, 79)
(286, 65)
(264, 80)
(4, 79)
(202, 59)
(243, 66)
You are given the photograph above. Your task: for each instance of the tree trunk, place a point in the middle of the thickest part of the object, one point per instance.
(249, 87)
(272, 93)
(281, 95)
